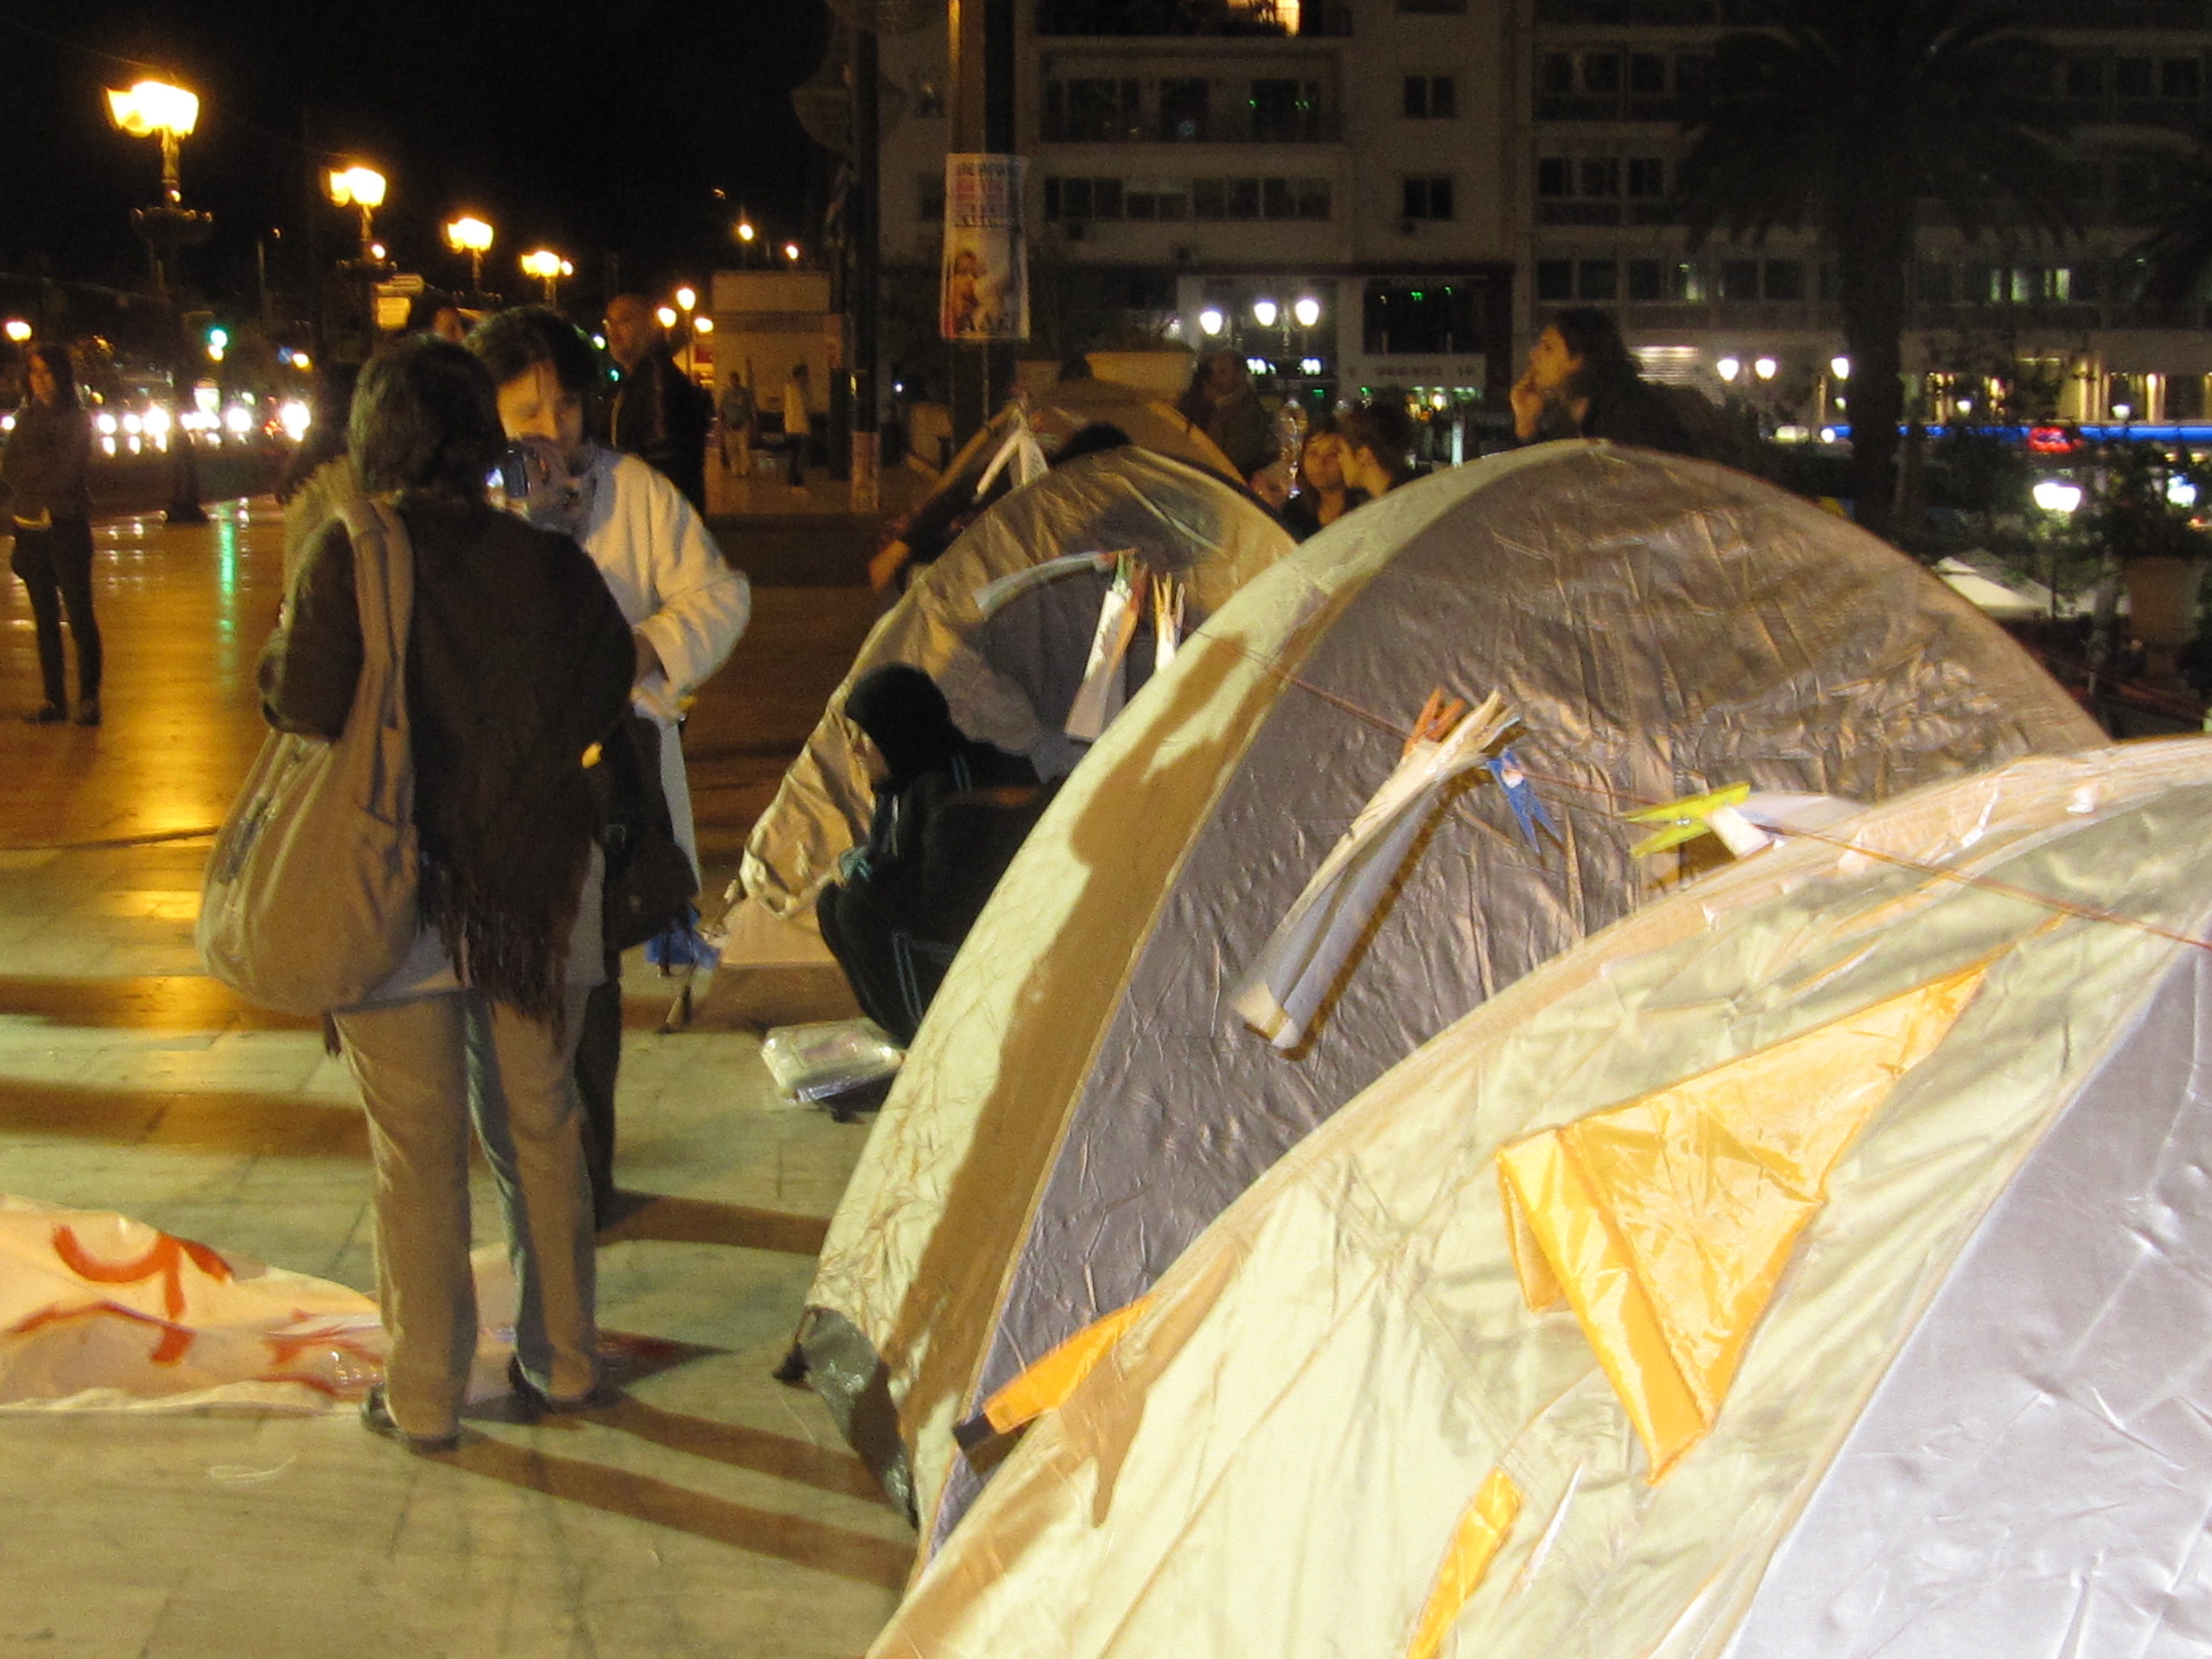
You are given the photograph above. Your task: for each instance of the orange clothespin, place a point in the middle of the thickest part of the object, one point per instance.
(1438, 716)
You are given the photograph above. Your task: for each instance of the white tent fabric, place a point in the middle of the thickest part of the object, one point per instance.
(1969, 1412)
(1010, 675)
(1083, 1099)
(101, 1312)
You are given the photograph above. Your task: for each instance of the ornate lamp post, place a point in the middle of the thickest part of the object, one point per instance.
(473, 237)
(549, 268)
(155, 109)
(357, 186)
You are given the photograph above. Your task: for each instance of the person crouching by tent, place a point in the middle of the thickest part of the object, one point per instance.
(949, 814)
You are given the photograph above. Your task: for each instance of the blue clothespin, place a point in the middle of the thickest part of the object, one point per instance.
(1528, 811)
(679, 945)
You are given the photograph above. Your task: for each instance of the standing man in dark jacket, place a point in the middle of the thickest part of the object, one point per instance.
(657, 414)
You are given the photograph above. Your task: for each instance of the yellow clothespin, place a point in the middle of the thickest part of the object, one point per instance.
(1685, 819)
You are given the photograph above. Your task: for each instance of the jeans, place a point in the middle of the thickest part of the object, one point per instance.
(56, 566)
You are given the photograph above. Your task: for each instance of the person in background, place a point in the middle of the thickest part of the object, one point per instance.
(798, 425)
(1322, 496)
(950, 813)
(44, 468)
(1583, 381)
(657, 414)
(320, 479)
(484, 1018)
(736, 426)
(685, 605)
(1222, 402)
(1378, 446)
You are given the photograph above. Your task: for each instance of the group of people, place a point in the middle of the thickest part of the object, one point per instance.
(542, 637)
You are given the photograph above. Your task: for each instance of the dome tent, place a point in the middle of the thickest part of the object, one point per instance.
(1964, 1408)
(1010, 676)
(1082, 1101)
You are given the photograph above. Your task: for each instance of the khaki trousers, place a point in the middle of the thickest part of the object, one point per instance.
(424, 1066)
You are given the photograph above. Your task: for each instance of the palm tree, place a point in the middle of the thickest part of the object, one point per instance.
(1848, 114)
(2178, 251)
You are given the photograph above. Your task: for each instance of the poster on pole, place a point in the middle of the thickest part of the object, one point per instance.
(985, 292)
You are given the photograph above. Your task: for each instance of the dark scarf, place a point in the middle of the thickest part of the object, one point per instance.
(518, 662)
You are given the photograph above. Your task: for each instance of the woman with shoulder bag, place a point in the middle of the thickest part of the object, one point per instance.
(518, 663)
(44, 467)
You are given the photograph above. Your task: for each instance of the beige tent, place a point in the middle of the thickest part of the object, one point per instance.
(1815, 1263)
(1010, 676)
(1082, 1100)
(1059, 412)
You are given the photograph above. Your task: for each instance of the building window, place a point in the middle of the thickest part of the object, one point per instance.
(1555, 74)
(1092, 111)
(1686, 281)
(2132, 77)
(1554, 176)
(1596, 279)
(1074, 199)
(1431, 98)
(1647, 279)
(1647, 177)
(1259, 199)
(1785, 279)
(1184, 110)
(1739, 279)
(1427, 198)
(1601, 176)
(2085, 77)
(1285, 111)
(1402, 317)
(1155, 198)
(2181, 77)
(1555, 280)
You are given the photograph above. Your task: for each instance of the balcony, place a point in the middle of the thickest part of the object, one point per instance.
(1234, 19)
(1311, 126)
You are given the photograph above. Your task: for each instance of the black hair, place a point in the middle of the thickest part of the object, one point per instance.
(1382, 427)
(1591, 336)
(57, 359)
(515, 341)
(426, 416)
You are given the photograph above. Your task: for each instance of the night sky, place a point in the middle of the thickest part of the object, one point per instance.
(589, 126)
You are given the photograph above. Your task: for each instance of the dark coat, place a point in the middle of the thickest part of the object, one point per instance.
(660, 416)
(519, 662)
(45, 462)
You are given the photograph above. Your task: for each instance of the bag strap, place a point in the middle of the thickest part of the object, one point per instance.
(384, 585)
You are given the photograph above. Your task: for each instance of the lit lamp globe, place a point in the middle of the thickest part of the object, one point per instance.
(17, 330)
(1307, 311)
(2056, 495)
(1264, 312)
(687, 299)
(473, 237)
(1211, 322)
(666, 316)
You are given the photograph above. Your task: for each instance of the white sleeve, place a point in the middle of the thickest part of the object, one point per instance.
(700, 604)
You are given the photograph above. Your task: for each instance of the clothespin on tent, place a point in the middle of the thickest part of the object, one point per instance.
(1521, 795)
(1167, 619)
(1693, 816)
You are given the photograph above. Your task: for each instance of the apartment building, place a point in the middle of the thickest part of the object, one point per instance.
(1365, 193)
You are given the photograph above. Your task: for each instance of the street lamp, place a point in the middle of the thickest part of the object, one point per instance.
(666, 316)
(1728, 369)
(686, 299)
(1307, 311)
(1264, 312)
(791, 252)
(1764, 368)
(359, 187)
(746, 235)
(156, 109)
(473, 237)
(1211, 322)
(549, 268)
(17, 330)
(2057, 495)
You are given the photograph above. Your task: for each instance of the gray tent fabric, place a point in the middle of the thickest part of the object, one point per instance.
(1083, 1101)
(1970, 1413)
(1009, 678)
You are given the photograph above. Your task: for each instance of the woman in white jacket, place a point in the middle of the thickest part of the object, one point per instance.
(685, 604)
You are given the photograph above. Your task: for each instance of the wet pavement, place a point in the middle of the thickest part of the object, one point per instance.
(710, 1511)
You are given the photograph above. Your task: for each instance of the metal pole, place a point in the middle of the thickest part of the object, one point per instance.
(864, 250)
